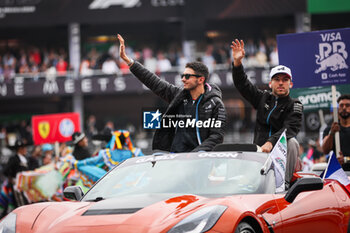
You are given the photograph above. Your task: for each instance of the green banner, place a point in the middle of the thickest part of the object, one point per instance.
(328, 6)
(315, 98)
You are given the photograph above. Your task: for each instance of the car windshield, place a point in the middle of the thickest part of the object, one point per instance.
(200, 176)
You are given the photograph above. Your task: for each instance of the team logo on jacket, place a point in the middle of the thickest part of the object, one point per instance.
(152, 119)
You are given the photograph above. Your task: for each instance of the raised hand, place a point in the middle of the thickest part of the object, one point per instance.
(122, 53)
(238, 52)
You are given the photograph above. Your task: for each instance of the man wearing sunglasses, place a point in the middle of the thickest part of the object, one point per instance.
(276, 110)
(196, 102)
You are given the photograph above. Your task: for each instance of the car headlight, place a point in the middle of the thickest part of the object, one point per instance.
(200, 221)
(8, 224)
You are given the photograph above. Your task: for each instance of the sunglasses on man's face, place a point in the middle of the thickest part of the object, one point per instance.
(188, 76)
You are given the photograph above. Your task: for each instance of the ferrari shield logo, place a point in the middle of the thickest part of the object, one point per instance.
(44, 129)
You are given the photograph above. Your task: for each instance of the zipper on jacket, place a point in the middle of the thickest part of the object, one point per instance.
(268, 117)
(197, 130)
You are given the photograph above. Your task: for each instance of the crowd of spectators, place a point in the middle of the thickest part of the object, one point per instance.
(32, 61)
(11, 131)
(36, 61)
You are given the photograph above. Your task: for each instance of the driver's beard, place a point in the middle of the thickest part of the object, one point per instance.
(344, 115)
(193, 87)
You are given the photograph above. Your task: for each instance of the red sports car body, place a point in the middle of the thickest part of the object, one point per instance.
(193, 192)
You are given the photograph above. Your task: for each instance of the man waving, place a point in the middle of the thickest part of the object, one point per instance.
(276, 110)
(196, 101)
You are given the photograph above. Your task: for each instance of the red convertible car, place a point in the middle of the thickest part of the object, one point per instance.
(227, 192)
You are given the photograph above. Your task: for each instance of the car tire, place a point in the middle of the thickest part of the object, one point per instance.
(244, 227)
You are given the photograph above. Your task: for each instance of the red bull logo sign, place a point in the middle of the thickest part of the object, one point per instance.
(319, 58)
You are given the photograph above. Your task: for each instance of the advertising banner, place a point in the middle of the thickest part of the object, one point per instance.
(100, 12)
(319, 58)
(54, 127)
(315, 98)
(20, 87)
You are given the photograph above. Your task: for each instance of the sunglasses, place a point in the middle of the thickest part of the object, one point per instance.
(188, 76)
(344, 105)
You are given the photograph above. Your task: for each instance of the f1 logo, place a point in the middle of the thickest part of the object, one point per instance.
(151, 120)
(104, 4)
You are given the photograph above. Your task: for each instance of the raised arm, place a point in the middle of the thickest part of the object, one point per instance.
(161, 88)
(249, 91)
(238, 52)
(122, 53)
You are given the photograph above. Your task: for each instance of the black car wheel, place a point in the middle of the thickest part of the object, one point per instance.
(244, 227)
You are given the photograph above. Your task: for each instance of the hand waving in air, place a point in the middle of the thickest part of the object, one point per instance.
(122, 53)
(238, 52)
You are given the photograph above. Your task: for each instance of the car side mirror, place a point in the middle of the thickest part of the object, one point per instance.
(303, 185)
(73, 193)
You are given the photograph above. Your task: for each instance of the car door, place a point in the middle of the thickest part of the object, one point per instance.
(343, 199)
(313, 211)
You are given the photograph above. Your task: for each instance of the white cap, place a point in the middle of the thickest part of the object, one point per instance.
(281, 69)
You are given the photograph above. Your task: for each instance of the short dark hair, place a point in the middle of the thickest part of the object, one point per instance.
(343, 97)
(199, 68)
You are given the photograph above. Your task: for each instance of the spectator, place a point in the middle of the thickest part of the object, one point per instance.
(124, 67)
(109, 125)
(51, 72)
(35, 56)
(52, 58)
(61, 66)
(9, 60)
(109, 66)
(113, 51)
(343, 127)
(85, 69)
(9, 72)
(262, 47)
(91, 127)
(261, 58)
(23, 60)
(18, 162)
(182, 61)
(208, 58)
(150, 62)
(24, 69)
(34, 158)
(274, 57)
(163, 64)
(81, 149)
(250, 48)
(48, 154)
(93, 55)
(65, 150)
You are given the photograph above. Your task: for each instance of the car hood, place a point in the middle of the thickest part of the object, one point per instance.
(137, 213)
